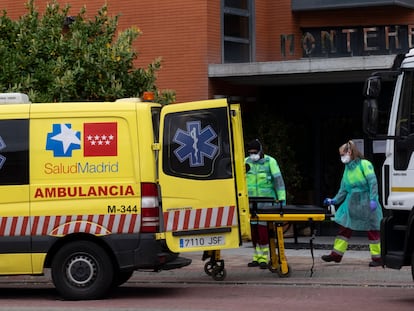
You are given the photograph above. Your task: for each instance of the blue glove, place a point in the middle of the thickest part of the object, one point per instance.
(329, 201)
(373, 205)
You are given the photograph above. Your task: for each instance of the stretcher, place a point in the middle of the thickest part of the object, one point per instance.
(275, 215)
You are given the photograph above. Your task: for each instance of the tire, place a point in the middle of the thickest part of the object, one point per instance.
(412, 265)
(219, 273)
(121, 277)
(82, 270)
(284, 275)
(208, 268)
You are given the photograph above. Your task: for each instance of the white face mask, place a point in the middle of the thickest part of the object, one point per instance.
(346, 158)
(255, 157)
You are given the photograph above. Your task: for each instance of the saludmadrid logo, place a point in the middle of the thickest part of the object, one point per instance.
(81, 168)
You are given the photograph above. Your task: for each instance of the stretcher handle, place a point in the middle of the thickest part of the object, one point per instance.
(255, 200)
(331, 210)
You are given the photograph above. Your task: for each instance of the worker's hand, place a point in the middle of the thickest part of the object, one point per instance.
(373, 205)
(329, 201)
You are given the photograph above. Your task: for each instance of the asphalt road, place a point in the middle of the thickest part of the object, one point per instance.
(312, 285)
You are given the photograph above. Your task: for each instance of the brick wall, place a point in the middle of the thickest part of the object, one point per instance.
(187, 33)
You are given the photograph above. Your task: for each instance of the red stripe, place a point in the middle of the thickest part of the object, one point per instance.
(231, 215)
(176, 218)
(100, 219)
(79, 217)
(66, 229)
(208, 218)
(197, 219)
(3, 226)
(111, 222)
(13, 226)
(35, 224)
(121, 224)
(45, 225)
(166, 214)
(57, 222)
(88, 228)
(132, 223)
(219, 216)
(186, 219)
(90, 218)
(24, 226)
(77, 226)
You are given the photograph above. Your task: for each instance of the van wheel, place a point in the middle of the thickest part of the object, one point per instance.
(412, 265)
(82, 270)
(121, 277)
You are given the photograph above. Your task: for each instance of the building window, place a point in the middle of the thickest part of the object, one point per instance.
(237, 31)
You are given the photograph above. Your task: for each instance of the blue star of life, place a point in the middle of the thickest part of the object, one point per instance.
(195, 143)
(63, 140)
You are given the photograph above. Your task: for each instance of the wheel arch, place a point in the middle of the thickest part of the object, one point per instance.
(75, 237)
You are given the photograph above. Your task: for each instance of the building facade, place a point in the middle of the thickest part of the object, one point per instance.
(302, 62)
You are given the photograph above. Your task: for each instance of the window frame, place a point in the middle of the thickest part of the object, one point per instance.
(250, 41)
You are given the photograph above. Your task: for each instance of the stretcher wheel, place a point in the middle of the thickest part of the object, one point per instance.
(208, 268)
(219, 273)
(278, 270)
(284, 275)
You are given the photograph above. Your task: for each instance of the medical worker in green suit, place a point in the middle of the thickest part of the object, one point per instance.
(264, 179)
(359, 208)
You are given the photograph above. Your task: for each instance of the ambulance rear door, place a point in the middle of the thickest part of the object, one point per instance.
(197, 176)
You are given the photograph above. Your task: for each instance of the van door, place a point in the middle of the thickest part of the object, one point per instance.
(200, 195)
(15, 239)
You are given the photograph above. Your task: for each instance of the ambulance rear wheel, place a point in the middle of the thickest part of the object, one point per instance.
(219, 273)
(82, 270)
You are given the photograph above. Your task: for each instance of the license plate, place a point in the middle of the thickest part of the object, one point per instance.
(202, 241)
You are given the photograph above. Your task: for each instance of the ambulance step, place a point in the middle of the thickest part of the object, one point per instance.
(179, 262)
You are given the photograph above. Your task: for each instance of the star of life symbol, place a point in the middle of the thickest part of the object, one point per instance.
(2, 158)
(63, 140)
(195, 143)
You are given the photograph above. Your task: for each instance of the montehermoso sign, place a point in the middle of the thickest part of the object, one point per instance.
(357, 41)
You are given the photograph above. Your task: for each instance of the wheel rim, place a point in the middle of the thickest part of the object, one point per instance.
(81, 270)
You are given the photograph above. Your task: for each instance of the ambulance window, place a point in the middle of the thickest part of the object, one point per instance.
(14, 152)
(196, 144)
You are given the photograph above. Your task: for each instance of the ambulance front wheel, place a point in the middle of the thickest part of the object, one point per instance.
(82, 270)
(218, 273)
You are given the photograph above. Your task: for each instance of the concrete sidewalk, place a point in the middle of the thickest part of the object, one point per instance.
(304, 270)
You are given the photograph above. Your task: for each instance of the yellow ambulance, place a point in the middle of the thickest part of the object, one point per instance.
(94, 191)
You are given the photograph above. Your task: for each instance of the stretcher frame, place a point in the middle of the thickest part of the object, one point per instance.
(275, 215)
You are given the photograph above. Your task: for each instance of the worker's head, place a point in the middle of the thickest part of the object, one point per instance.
(255, 150)
(349, 151)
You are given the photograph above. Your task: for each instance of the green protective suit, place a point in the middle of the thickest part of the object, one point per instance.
(264, 178)
(358, 187)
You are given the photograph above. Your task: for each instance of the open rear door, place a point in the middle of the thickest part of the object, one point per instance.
(197, 176)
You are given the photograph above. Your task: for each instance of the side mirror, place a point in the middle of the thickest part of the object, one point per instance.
(372, 87)
(370, 116)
